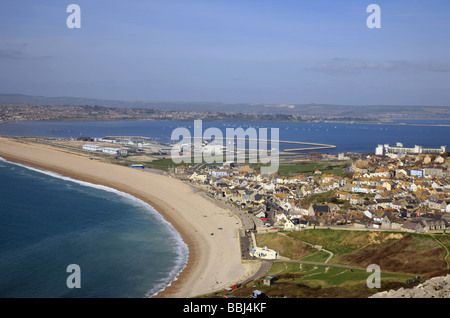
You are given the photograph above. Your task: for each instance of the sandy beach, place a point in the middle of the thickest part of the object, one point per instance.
(214, 260)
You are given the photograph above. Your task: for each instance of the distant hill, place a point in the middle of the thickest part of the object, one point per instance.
(328, 110)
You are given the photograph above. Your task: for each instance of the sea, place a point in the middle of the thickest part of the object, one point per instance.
(121, 245)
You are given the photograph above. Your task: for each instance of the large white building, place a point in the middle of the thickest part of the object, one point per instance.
(114, 151)
(385, 149)
(92, 148)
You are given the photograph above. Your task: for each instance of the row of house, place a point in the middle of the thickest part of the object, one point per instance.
(381, 193)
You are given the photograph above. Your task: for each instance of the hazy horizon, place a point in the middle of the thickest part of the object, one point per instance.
(255, 52)
(130, 101)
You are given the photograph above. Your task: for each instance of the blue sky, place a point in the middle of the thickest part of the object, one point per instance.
(252, 51)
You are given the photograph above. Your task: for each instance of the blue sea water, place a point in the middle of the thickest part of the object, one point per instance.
(123, 246)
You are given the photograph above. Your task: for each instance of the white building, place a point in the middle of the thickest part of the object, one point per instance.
(264, 253)
(399, 149)
(115, 151)
(379, 151)
(219, 174)
(92, 148)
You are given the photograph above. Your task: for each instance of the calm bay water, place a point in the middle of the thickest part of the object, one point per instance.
(123, 247)
(361, 137)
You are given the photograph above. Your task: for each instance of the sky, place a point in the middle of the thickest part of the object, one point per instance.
(232, 51)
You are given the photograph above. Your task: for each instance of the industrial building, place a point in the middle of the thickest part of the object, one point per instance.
(114, 151)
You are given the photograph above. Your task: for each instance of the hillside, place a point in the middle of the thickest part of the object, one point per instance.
(405, 260)
(392, 251)
(350, 112)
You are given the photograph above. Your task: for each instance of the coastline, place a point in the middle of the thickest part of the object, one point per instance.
(213, 261)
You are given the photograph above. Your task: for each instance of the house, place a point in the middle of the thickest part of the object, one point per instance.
(423, 225)
(280, 216)
(359, 166)
(300, 209)
(343, 195)
(414, 226)
(434, 171)
(334, 207)
(261, 214)
(198, 177)
(246, 196)
(391, 221)
(289, 225)
(319, 210)
(427, 159)
(355, 200)
(302, 223)
(397, 204)
(437, 204)
(383, 203)
(180, 169)
(388, 185)
(434, 224)
(381, 172)
(257, 198)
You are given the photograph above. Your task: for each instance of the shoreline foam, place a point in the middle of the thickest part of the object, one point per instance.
(181, 249)
(213, 261)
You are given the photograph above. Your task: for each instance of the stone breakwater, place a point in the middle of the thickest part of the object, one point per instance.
(436, 287)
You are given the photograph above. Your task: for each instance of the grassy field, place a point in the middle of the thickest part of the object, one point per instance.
(295, 169)
(163, 164)
(329, 276)
(296, 280)
(397, 251)
(400, 256)
(393, 251)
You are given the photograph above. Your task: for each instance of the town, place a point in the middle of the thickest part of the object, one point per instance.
(395, 188)
(405, 193)
(20, 113)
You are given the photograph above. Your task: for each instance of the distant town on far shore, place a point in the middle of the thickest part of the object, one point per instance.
(17, 107)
